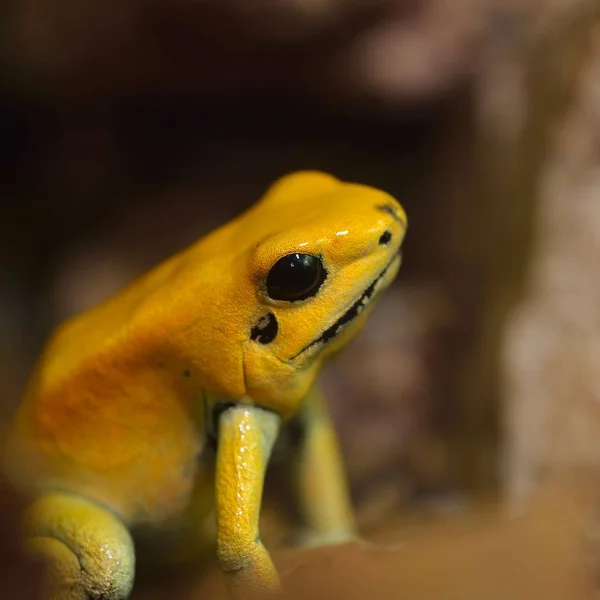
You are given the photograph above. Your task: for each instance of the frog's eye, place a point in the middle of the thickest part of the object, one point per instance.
(295, 277)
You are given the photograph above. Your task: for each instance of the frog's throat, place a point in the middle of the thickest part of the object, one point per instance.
(351, 313)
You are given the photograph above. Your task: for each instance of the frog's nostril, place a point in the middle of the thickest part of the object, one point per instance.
(385, 238)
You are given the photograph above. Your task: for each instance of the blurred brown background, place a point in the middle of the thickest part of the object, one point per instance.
(131, 128)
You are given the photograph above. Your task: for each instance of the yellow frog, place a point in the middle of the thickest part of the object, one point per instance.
(213, 350)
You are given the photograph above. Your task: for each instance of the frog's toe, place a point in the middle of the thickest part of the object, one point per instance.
(88, 551)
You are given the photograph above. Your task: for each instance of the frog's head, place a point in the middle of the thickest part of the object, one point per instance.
(323, 253)
(290, 282)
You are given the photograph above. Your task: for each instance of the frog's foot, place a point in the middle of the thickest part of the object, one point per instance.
(89, 551)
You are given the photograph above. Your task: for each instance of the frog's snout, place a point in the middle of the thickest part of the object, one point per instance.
(393, 211)
(394, 229)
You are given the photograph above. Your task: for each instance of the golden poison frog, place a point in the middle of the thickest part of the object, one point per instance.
(216, 348)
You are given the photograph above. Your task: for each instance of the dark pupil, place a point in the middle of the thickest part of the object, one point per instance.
(295, 277)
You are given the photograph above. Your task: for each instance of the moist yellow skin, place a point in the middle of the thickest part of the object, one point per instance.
(109, 430)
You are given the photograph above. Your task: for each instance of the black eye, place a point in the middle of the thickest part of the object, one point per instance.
(295, 277)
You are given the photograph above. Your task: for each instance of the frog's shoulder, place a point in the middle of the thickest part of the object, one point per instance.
(109, 329)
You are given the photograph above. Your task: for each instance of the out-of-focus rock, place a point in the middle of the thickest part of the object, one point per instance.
(419, 50)
(385, 399)
(552, 352)
(479, 555)
(347, 51)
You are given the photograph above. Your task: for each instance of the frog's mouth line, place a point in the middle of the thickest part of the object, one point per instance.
(353, 312)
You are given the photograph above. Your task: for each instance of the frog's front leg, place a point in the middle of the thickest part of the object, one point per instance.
(88, 550)
(245, 439)
(319, 478)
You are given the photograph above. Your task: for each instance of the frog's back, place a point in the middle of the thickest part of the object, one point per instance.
(109, 327)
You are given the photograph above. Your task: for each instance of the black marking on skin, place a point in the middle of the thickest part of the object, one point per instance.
(187, 373)
(391, 210)
(349, 315)
(385, 239)
(265, 331)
